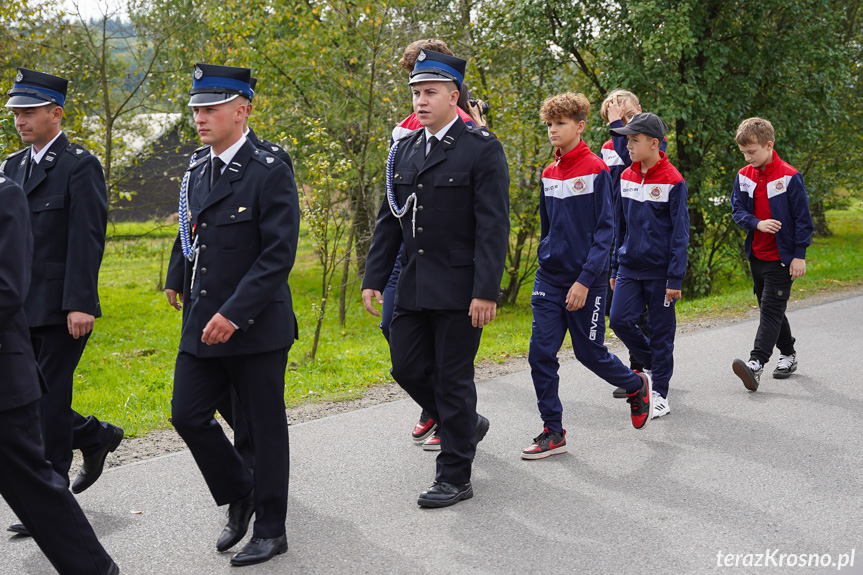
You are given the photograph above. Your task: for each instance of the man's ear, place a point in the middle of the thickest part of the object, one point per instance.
(57, 114)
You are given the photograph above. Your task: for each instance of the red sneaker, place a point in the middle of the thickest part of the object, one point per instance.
(424, 427)
(545, 444)
(432, 443)
(641, 402)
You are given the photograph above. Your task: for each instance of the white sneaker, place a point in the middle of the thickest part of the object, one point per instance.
(660, 405)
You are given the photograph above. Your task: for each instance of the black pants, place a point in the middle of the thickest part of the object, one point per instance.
(772, 286)
(432, 354)
(63, 428)
(41, 499)
(259, 380)
(230, 410)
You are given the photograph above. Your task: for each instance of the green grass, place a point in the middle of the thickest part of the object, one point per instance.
(126, 373)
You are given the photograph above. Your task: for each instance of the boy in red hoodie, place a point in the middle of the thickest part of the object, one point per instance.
(769, 201)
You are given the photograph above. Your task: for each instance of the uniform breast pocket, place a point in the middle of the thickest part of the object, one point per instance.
(48, 214)
(403, 185)
(236, 229)
(452, 191)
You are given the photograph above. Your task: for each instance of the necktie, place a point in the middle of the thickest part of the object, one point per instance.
(432, 143)
(218, 164)
(30, 165)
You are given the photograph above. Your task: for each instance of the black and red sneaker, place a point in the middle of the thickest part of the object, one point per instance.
(545, 444)
(641, 402)
(432, 443)
(424, 427)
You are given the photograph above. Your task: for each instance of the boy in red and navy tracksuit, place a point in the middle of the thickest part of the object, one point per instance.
(649, 260)
(769, 201)
(569, 292)
(617, 109)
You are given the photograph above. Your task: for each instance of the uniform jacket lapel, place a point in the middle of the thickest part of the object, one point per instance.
(40, 170)
(233, 172)
(438, 154)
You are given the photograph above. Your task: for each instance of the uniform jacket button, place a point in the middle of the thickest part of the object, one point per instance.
(419, 208)
(419, 230)
(419, 186)
(204, 226)
(450, 180)
(420, 252)
(233, 217)
(251, 322)
(203, 270)
(203, 247)
(203, 293)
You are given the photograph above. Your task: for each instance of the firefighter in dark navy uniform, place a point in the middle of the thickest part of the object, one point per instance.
(29, 484)
(239, 225)
(228, 407)
(448, 201)
(65, 189)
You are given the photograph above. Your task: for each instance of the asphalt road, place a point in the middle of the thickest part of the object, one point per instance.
(728, 475)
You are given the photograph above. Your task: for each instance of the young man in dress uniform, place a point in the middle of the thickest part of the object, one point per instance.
(450, 182)
(229, 406)
(65, 189)
(29, 484)
(230, 268)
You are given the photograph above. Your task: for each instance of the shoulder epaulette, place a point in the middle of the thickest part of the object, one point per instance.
(10, 156)
(410, 134)
(269, 146)
(266, 158)
(77, 150)
(482, 132)
(202, 148)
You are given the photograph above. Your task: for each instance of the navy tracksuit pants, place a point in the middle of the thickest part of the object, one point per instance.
(656, 353)
(586, 327)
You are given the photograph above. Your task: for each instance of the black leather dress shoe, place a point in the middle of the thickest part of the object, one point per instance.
(94, 462)
(482, 425)
(19, 529)
(113, 569)
(259, 550)
(444, 494)
(239, 514)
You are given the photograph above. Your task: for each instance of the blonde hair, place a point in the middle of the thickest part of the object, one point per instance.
(616, 96)
(409, 58)
(755, 131)
(566, 105)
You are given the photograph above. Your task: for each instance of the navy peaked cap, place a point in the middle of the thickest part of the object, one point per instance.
(33, 89)
(437, 67)
(213, 85)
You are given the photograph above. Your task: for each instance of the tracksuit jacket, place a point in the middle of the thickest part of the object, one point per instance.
(616, 156)
(652, 224)
(576, 219)
(788, 203)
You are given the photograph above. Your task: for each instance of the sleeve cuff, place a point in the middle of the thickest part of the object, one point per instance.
(674, 283)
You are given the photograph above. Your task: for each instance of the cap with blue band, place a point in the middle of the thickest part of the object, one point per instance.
(213, 85)
(436, 67)
(32, 89)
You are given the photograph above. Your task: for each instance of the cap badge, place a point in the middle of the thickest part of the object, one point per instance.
(20, 76)
(422, 56)
(198, 73)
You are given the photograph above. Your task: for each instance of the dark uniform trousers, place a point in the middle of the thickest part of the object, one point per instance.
(68, 209)
(453, 250)
(432, 353)
(247, 228)
(63, 428)
(34, 491)
(258, 380)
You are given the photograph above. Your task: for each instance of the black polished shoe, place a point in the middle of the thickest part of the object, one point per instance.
(239, 514)
(444, 494)
(482, 425)
(259, 550)
(19, 529)
(113, 569)
(94, 462)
